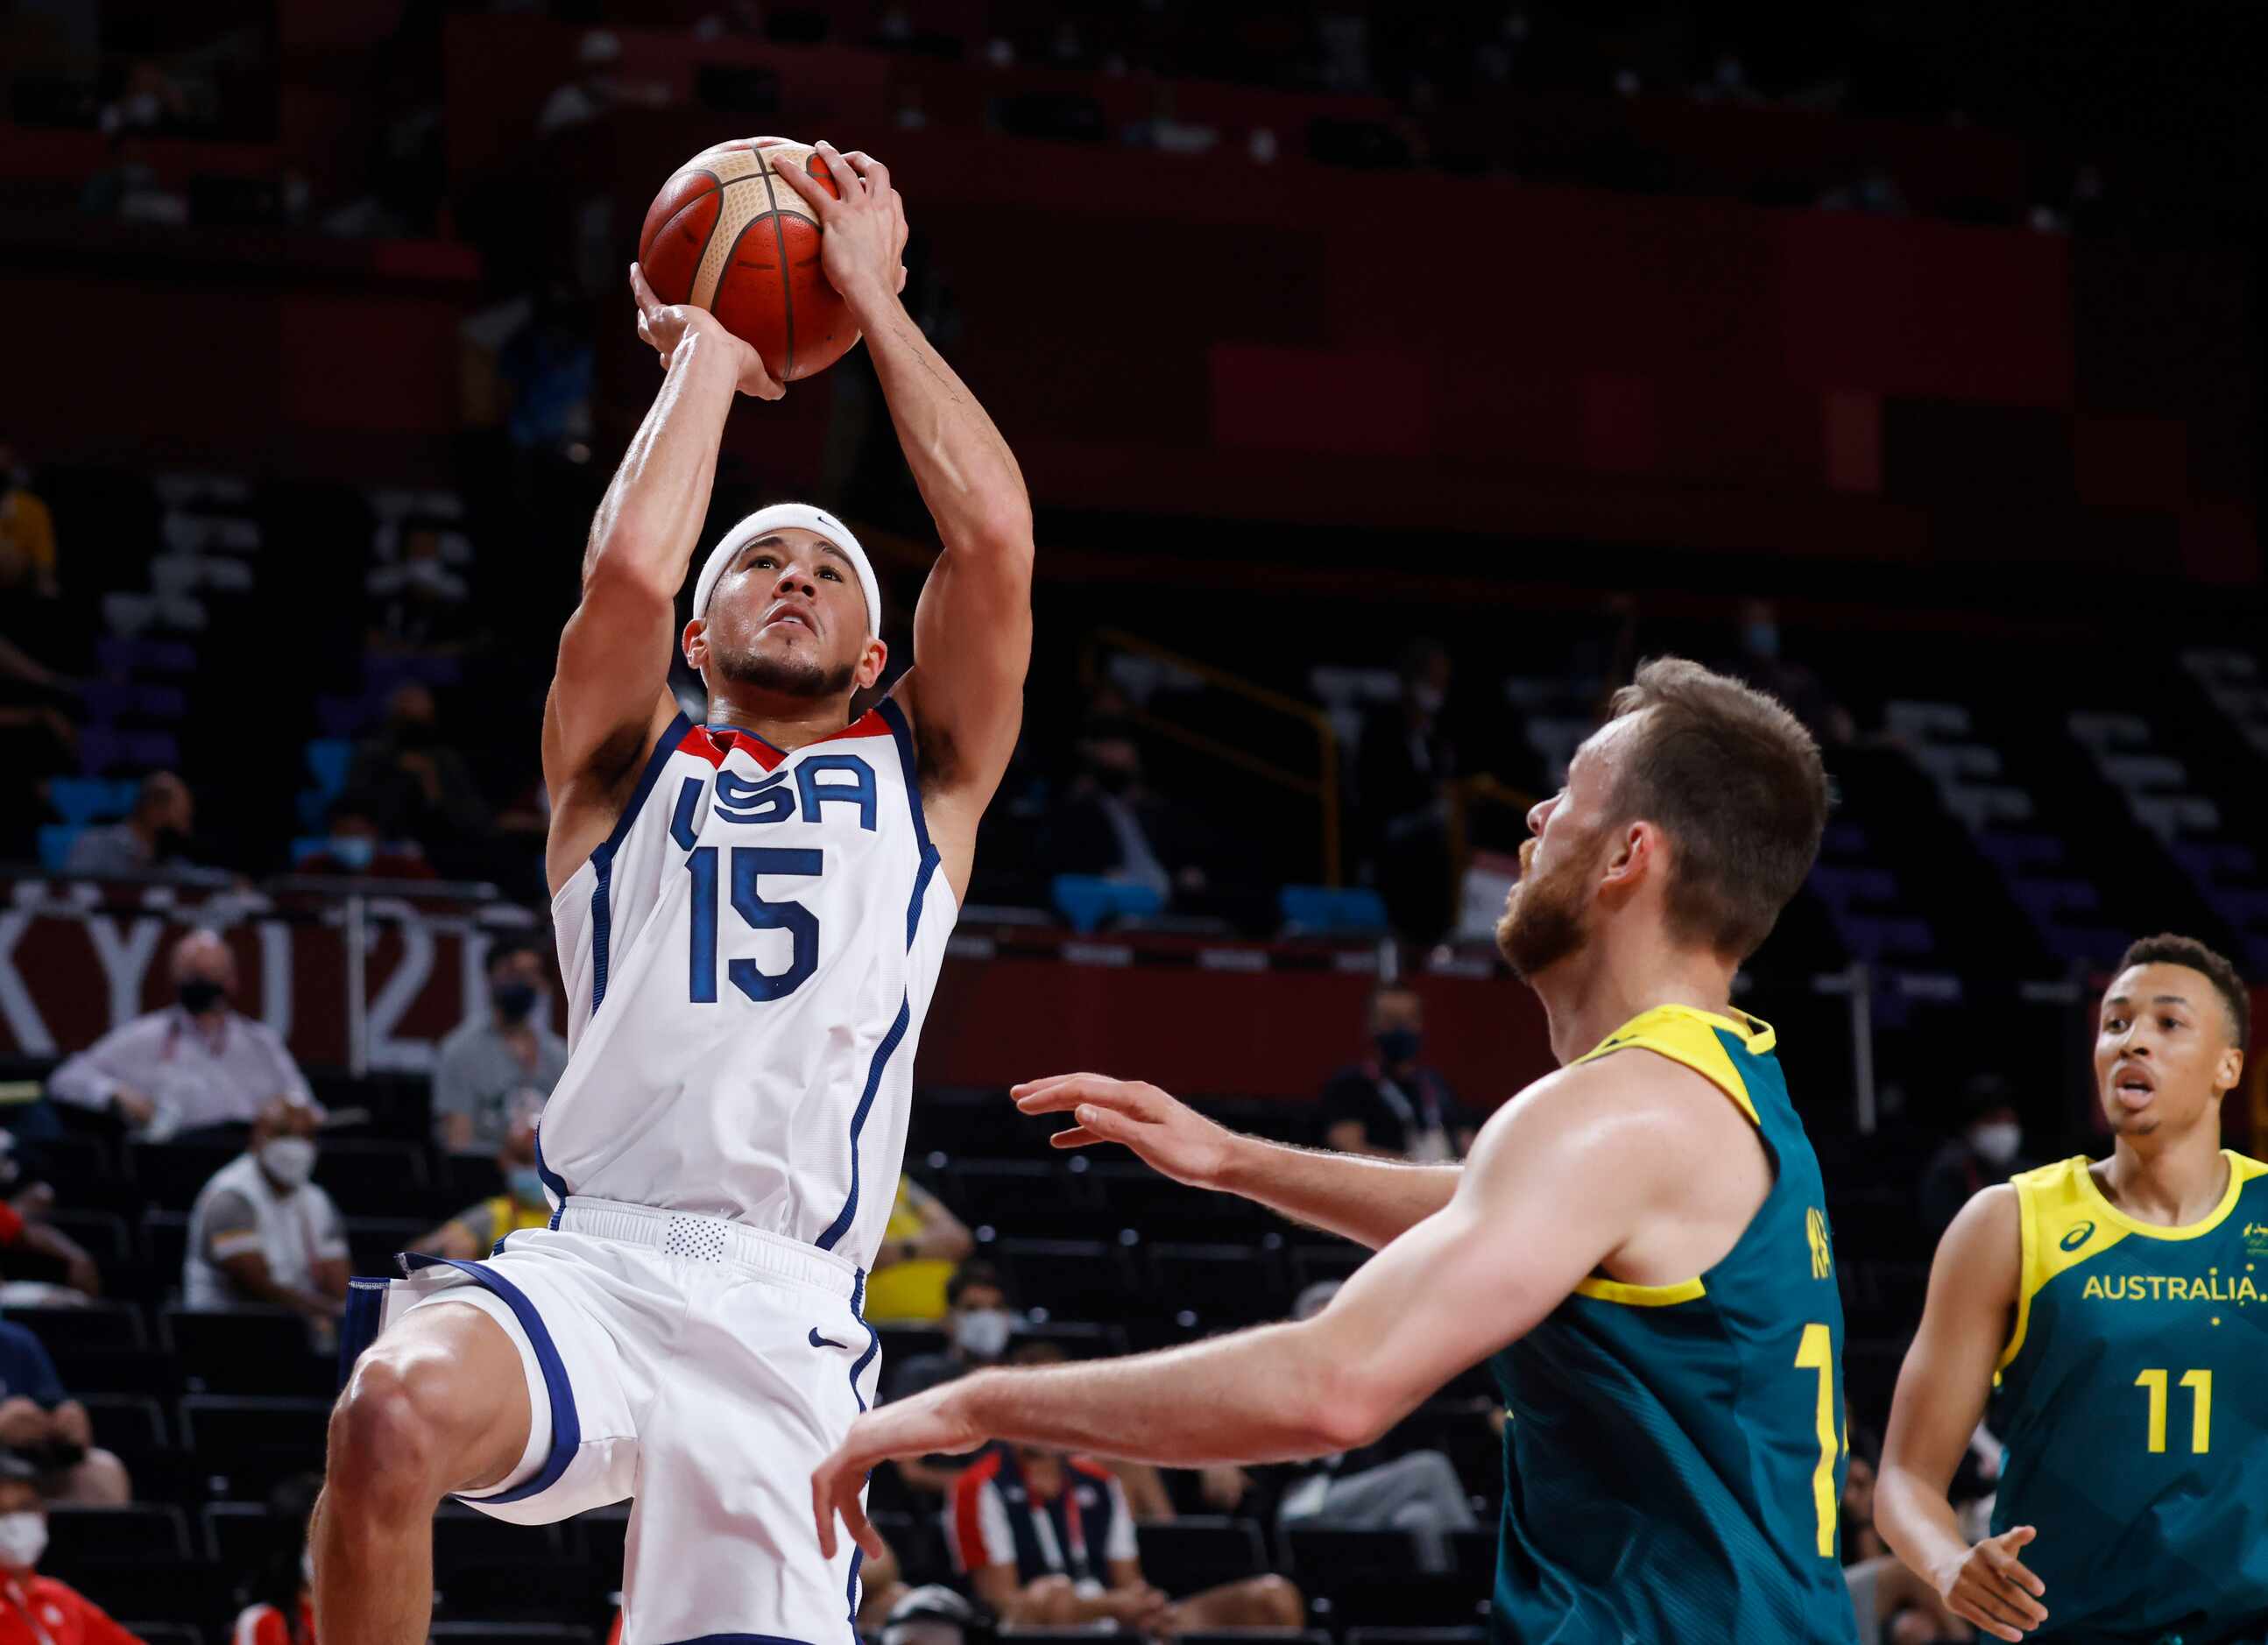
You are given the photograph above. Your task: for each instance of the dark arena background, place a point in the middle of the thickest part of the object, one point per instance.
(1390, 378)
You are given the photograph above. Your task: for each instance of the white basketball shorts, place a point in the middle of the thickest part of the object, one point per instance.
(702, 1368)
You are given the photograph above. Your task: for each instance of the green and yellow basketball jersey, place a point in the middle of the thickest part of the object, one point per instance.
(2134, 1405)
(1675, 1459)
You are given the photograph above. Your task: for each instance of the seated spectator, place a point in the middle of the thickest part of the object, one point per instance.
(920, 1245)
(1761, 661)
(36, 1610)
(356, 849)
(416, 786)
(978, 1324)
(1404, 765)
(281, 1589)
(424, 604)
(473, 1232)
(152, 837)
(1893, 1606)
(1047, 1538)
(27, 532)
(259, 1232)
(49, 1431)
(498, 1063)
(195, 1066)
(1391, 1105)
(1985, 1152)
(1111, 826)
(24, 1230)
(1372, 1489)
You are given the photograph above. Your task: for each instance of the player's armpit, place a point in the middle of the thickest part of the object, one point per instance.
(1946, 1380)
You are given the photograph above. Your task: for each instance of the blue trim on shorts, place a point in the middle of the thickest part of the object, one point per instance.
(566, 1426)
(358, 1326)
(742, 1639)
(873, 1347)
(603, 858)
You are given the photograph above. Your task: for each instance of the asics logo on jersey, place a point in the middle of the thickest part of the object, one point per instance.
(2076, 1236)
(1815, 1232)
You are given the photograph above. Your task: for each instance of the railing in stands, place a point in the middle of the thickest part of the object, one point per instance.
(1323, 788)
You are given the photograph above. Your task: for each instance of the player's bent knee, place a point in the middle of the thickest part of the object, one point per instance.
(436, 1411)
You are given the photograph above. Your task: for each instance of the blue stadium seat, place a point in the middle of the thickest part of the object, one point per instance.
(1344, 910)
(91, 799)
(327, 759)
(56, 841)
(1085, 901)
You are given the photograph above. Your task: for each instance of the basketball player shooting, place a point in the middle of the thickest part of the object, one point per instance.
(751, 912)
(1639, 1239)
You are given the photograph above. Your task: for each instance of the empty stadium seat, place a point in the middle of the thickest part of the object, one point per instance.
(1195, 1552)
(1312, 1264)
(246, 1350)
(1223, 1285)
(128, 1422)
(597, 1537)
(1019, 1197)
(81, 1537)
(1416, 1636)
(92, 1325)
(1133, 1195)
(246, 1444)
(1373, 1576)
(86, 1370)
(169, 1174)
(166, 1633)
(374, 1178)
(102, 1235)
(240, 1535)
(166, 1245)
(1073, 1279)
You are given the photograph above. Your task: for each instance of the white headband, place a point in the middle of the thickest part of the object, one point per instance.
(773, 518)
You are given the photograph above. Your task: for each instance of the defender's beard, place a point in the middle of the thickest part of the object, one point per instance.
(1545, 921)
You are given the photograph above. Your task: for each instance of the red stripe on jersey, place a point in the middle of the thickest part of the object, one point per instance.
(712, 746)
(968, 1517)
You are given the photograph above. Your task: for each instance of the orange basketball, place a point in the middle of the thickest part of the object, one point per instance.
(726, 235)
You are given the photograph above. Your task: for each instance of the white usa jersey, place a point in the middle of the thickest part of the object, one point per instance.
(748, 959)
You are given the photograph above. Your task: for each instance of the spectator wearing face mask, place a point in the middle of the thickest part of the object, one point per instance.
(259, 1232)
(192, 1067)
(1389, 1105)
(1985, 1152)
(473, 1232)
(152, 838)
(356, 847)
(978, 1324)
(497, 1062)
(36, 1610)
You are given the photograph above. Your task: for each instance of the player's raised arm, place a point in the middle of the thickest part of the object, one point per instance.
(1941, 1392)
(1556, 1183)
(607, 698)
(1367, 1199)
(973, 630)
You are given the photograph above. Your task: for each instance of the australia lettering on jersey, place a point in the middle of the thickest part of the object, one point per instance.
(2171, 1287)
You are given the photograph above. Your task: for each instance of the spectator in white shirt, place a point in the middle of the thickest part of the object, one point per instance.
(191, 1067)
(261, 1232)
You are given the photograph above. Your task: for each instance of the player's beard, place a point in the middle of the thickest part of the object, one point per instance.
(786, 676)
(1545, 921)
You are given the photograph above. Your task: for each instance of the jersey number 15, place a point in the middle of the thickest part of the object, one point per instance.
(748, 864)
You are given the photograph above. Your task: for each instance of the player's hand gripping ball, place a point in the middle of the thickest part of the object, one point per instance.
(746, 230)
